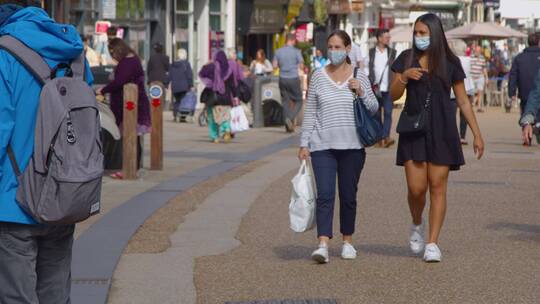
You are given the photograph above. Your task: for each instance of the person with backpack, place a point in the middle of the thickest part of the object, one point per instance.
(330, 138)
(381, 58)
(47, 106)
(181, 79)
(128, 70)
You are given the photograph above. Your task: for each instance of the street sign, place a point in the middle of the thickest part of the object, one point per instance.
(155, 92)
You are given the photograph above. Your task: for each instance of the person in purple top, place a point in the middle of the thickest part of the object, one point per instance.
(128, 70)
(220, 81)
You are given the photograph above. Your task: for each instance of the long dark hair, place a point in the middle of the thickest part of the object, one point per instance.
(120, 49)
(439, 53)
(344, 37)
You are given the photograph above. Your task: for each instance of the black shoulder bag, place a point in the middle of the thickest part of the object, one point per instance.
(410, 124)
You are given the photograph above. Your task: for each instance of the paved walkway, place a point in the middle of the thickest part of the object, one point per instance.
(190, 159)
(227, 238)
(490, 241)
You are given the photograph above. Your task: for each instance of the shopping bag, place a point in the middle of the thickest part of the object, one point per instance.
(303, 199)
(239, 121)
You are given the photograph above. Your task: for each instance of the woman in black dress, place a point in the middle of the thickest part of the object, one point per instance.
(428, 71)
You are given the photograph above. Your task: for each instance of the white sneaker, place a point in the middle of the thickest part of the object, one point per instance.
(432, 253)
(320, 255)
(348, 252)
(416, 240)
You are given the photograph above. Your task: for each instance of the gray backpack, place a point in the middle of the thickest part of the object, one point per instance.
(62, 181)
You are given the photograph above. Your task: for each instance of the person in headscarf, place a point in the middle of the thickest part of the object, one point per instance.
(219, 93)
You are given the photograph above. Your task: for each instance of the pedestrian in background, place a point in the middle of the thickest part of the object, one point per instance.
(524, 69)
(261, 66)
(381, 58)
(459, 49)
(428, 71)
(157, 68)
(479, 76)
(181, 78)
(358, 58)
(158, 65)
(319, 61)
(289, 59)
(35, 259)
(220, 90)
(91, 56)
(531, 111)
(329, 135)
(128, 70)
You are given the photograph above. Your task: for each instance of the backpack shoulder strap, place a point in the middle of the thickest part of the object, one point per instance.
(31, 60)
(78, 66)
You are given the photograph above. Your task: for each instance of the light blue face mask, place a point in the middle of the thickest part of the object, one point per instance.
(422, 42)
(337, 57)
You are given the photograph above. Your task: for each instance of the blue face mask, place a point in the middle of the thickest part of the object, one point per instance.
(337, 57)
(422, 43)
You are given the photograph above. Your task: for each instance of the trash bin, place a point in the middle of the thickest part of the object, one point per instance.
(267, 105)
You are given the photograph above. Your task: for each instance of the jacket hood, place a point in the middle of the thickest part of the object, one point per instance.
(37, 30)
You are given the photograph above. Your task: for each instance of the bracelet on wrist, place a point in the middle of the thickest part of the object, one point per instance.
(401, 80)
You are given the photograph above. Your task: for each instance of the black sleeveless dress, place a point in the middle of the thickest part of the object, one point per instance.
(441, 143)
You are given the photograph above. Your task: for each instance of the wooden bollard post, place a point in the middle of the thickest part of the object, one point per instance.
(156, 137)
(129, 131)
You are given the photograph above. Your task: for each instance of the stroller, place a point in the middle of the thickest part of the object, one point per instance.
(186, 107)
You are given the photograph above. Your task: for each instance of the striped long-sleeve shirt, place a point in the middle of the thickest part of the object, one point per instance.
(329, 114)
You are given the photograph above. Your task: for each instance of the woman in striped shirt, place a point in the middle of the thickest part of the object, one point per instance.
(329, 137)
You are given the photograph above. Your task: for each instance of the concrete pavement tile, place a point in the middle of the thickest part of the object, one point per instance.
(199, 238)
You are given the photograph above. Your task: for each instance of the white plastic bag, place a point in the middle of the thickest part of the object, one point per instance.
(303, 200)
(239, 121)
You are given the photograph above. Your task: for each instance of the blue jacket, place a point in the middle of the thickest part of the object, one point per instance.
(19, 93)
(180, 76)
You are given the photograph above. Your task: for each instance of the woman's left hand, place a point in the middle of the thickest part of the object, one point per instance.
(354, 84)
(478, 146)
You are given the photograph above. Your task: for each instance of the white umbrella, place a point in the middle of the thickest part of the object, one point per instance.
(401, 34)
(483, 30)
(107, 120)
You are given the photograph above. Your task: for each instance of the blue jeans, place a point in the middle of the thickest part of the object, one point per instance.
(348, 165)
(387, 105)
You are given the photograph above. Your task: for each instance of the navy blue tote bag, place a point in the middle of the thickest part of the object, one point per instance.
(369, 129)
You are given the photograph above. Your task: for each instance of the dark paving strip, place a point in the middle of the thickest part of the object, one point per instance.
(312, 301)
(97, 251)
(479, 183)
(525, 171)
(512, 152)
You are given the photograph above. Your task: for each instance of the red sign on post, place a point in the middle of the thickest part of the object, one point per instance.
(130, 105)
(156, 102)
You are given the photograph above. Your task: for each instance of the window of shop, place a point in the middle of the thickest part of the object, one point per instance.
(130, 9)
(182, 22)
(217, 15)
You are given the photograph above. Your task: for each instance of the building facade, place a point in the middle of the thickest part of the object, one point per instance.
(199, 26)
